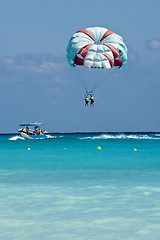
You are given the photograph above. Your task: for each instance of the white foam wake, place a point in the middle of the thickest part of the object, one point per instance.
(120, 136)
(16, 138)
(49, 136)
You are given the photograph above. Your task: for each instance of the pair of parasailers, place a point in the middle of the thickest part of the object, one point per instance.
(91, 101)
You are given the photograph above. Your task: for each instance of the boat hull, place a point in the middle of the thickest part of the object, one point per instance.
(41, 136)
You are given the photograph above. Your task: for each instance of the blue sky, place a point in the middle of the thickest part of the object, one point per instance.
(36, 83)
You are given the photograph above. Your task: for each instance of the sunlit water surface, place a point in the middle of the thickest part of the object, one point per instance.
(64, 188)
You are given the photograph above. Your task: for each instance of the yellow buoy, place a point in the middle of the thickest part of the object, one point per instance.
(99, 148)
(28, 149)
(135, 149)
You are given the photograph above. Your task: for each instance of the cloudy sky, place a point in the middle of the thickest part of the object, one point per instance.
(36, 83)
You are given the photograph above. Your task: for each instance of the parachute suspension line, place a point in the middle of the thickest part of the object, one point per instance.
(87, 78)
(92, 78)
(104, 78)
(100, 78)
(79, 70)
(97, 77)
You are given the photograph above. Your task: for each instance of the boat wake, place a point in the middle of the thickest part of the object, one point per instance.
(49, 136)
(22, 138)
(123, 136)
(16, 138)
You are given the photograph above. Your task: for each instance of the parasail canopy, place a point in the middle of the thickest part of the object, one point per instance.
(96, 48)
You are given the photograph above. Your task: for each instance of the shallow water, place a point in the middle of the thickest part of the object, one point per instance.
(64, 188)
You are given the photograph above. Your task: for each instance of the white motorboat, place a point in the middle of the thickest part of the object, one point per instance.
(32, 131)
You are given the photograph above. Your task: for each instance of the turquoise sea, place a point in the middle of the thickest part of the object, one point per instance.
(64, 188)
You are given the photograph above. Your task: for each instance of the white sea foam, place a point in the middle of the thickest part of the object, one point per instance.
(21, 138)
(121, 136)
(49, 136)
(16, 138)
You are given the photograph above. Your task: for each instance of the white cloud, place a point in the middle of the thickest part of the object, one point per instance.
(31, 64)
(154, 43)
(132, 55)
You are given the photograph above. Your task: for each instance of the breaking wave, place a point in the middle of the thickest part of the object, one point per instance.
(124, 136)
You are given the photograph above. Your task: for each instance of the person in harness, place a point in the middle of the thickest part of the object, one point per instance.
(92, 101)
(86, 101)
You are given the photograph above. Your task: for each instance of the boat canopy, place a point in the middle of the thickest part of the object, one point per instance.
(30, 124)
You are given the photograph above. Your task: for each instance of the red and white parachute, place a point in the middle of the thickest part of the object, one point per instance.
(94, 52)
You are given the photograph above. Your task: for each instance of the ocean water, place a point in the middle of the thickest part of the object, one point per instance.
(64, 188)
